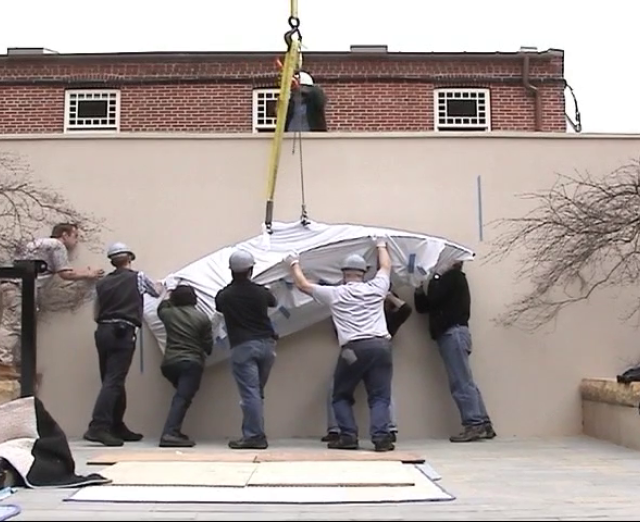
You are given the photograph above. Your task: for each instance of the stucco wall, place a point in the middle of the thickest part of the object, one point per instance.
(175, 199)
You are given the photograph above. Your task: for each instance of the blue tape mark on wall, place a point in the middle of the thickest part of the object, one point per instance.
(421, 270)
(141, 353)
(284, 312)
(480, 223)
(412, 264)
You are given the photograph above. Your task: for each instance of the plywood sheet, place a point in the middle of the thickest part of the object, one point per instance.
(327, 455)
(230, 474)
(115, 456)
(270, 455)
(336, 473)
(425, 491)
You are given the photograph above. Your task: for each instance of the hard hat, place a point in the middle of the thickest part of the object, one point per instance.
(304, 78)
(354, 262)
(241, 261)
(118, 248)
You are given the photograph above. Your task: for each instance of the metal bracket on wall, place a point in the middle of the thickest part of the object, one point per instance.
(27, 272)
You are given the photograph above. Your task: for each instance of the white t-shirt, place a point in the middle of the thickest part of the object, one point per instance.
(53, 252)
(357, 308)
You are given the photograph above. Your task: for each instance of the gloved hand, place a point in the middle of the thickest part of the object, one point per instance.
(379, 241)
(292, 258)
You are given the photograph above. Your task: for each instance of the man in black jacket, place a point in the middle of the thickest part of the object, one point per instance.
(118, 311)
(396, 312)
(448, 303)
(189, 341)
(252, 338)
(306, 110)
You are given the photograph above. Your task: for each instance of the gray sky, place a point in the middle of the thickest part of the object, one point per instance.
(599, 38)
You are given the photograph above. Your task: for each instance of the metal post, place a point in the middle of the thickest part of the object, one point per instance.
(27, 271)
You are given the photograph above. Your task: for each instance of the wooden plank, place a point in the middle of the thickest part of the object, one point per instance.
(334, 474)
(271, 455)
(327, 455)
(115, 456)
(229, 474)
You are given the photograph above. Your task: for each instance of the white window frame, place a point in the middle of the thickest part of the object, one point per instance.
(461, 126)
(257, 125)
(72, 94)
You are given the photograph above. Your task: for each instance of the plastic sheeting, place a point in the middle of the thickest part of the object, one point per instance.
(321, 248)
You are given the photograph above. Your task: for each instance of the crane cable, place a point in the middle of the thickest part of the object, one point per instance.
(292, 62)
(304, 217)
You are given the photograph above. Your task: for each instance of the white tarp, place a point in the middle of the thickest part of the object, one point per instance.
(321, 248)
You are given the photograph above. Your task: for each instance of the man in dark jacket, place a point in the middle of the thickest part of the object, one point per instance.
(118, 311)
(396, 312)
(306, 111)
(448, 303)
(189, 341)
(245, 306)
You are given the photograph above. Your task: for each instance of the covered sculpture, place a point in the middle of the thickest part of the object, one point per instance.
(321, 248)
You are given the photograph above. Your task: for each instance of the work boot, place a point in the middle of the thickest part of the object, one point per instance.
(344, 442)
(469, 434)
(489, 432)
(183, 436)
(384, 444)
(393, 435)
(331, 436)
(103, 437)
(127, 435)
(175, 441)
(258, 443)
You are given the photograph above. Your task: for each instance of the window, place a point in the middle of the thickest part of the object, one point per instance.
(462, 110)
(92, 110)
(265, 109)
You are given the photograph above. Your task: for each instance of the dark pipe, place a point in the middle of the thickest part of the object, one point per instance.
(526, 66)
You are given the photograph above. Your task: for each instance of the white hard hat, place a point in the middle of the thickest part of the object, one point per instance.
(241, 261)
(354, 262)
(304, 78)
(118, 248)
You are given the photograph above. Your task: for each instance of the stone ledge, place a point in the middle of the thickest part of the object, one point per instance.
(9, 390)
(609, 391)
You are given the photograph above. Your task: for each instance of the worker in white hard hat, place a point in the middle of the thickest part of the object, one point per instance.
(306, 111)
(252, 339)
(357, 309)
(118, 309)
(396, 313)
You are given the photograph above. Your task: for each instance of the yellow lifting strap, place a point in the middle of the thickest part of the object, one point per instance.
(292, 62)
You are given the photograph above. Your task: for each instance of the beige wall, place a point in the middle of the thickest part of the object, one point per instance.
(177, 198)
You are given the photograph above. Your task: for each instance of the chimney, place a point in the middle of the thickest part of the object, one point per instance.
(28, 51)
(369, 49)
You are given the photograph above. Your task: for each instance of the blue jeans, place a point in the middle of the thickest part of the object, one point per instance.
(332, 423)
(367, 360)
(251, 363)
(185, 377)
(455, 347)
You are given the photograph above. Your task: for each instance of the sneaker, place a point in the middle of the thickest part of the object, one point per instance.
(331, 436)
(384, 444)
(259, 443)
(103, 437)
(344, 442)
(469, 434)
(127, 435)
(175, 441)
(489, 432)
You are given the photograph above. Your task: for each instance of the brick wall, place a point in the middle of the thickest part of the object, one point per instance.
(206, 93)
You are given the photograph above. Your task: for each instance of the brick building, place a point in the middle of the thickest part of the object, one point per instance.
(368, 88)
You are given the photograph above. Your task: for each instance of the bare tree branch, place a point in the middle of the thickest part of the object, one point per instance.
(28, 209)
(582, 235)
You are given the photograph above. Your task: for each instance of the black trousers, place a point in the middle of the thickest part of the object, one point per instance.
(116, 343)
(185, 376)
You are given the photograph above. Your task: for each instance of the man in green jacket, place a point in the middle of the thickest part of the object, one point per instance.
(189, 341)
